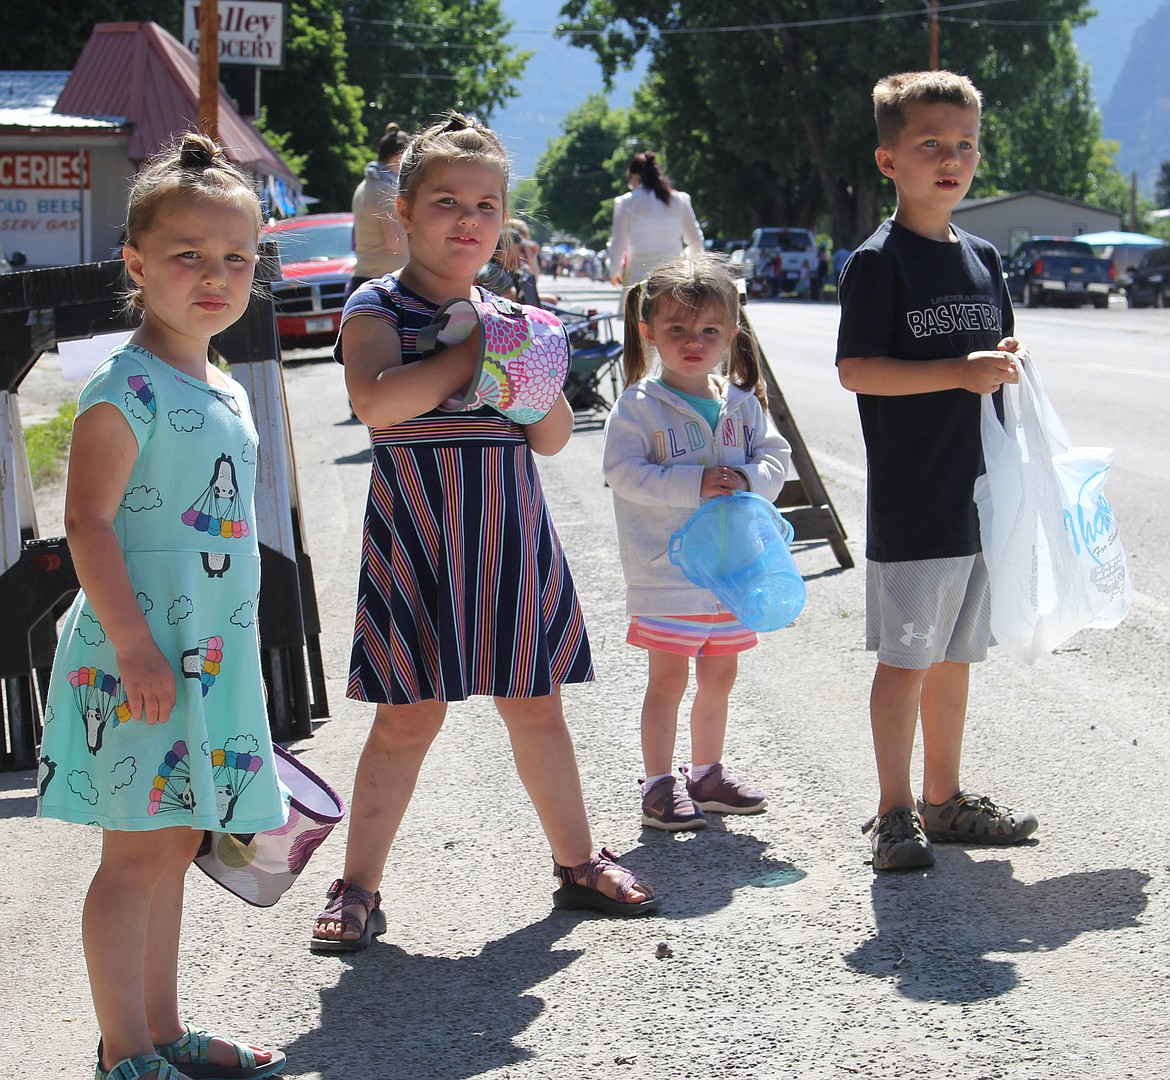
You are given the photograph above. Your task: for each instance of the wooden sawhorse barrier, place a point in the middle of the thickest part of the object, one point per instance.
(803, 500)
(39, 309)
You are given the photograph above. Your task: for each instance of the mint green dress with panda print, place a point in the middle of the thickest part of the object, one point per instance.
(187, 529)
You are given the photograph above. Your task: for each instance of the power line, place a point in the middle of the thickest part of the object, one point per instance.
(797, 24)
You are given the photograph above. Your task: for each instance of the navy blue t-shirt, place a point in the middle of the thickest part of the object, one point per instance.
(911, 298)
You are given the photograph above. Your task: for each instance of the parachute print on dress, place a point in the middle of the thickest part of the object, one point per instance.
(100, 701)
(204, 662)
(218, 511)
(233, 771)
(144, 392)
(171, 789)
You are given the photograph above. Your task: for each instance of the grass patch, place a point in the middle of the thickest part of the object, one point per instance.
(47, 444)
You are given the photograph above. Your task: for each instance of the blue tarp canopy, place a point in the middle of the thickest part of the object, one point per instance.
(1113, 238)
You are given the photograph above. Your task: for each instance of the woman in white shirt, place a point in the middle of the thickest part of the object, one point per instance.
(652, 224)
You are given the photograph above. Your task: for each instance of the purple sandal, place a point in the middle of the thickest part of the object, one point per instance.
(341, 895)
(579, 890)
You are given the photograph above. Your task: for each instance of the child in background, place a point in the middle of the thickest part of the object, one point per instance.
(161, 527)
(925, 330)
(671, 441)
(464, 589)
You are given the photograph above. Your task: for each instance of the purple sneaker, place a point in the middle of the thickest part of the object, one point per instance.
(664, 806)
(722, 793)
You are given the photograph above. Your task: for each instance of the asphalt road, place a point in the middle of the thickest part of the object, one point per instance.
(782, 954)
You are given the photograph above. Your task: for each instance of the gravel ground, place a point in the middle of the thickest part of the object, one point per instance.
(778, 953)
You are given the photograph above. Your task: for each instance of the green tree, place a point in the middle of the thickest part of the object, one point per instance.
(780, 107)
(1050, 140)
(311, 109)
(50, 37)
(575, 175)
(416, 58)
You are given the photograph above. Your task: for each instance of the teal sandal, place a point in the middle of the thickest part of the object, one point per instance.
(133, 1068)
(189, 1053)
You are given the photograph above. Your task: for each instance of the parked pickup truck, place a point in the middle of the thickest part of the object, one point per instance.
(1058, 269)
(780, 260)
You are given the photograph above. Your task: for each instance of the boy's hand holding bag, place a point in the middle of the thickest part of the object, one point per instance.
(1050, 540)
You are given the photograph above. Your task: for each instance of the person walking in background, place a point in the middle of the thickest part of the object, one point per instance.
(513, 268)
(652, 224)
(918, 375)
(378, 240)
(161, 527)
(464, 589)
(672, 440)
(822, 272)
(837, 265)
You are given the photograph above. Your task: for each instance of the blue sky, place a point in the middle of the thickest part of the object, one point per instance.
(558, 79)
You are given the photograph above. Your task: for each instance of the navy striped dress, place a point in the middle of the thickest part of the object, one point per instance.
(463, 588)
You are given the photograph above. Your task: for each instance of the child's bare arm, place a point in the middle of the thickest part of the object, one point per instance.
(384, 390)
(549, 435)
(101, 457)
(981, 372)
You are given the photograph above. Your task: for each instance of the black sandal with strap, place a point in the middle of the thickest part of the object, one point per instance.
(579, 889)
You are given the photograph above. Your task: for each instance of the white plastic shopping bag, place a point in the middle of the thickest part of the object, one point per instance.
(1050, 539)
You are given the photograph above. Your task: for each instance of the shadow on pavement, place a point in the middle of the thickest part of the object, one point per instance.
(937, 931)
(697, 873)
(396, 1014)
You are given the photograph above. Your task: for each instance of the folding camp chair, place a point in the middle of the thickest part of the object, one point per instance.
(596, 356)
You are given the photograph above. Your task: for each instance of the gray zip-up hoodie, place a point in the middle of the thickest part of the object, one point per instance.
(656, 448)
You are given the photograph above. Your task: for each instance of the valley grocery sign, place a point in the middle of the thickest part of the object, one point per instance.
(250, 31)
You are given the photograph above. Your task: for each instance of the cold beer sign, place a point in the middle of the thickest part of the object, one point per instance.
(250, 31)
(44, 197)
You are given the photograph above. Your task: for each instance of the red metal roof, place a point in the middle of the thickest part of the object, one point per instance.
(137, 71)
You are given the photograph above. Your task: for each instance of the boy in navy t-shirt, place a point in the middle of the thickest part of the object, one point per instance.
(926, 328)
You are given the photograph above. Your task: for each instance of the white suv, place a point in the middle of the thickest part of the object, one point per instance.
(779, 258)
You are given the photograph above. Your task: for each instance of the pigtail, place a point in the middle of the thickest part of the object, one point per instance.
(634, 358)
(745, 367)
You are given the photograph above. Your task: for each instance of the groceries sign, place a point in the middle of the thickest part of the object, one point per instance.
(44, 197)
(250, 31)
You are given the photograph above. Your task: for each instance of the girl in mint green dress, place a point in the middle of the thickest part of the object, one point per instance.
(155, 725)
(186, 527)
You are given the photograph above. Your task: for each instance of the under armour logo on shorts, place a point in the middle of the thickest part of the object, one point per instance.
(911, 636)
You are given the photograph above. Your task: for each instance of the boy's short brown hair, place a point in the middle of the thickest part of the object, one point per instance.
(895, 95)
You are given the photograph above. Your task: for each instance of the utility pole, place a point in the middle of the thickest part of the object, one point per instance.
(934, 35)
(209, 68)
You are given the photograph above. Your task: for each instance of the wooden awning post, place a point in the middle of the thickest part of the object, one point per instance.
(209, 68)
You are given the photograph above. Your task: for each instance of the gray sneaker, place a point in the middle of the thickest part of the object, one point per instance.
(721, 793)
(665, 807)
(898, 840)
(975, 819)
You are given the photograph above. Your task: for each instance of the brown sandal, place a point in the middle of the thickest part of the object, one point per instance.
(579, 890)
(341, 895)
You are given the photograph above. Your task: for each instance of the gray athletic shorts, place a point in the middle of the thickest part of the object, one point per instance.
(920, 613)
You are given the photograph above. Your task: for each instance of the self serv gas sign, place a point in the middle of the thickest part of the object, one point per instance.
(249, 31)
(44, 195)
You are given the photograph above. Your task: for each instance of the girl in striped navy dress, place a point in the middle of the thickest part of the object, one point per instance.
(463, 589)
